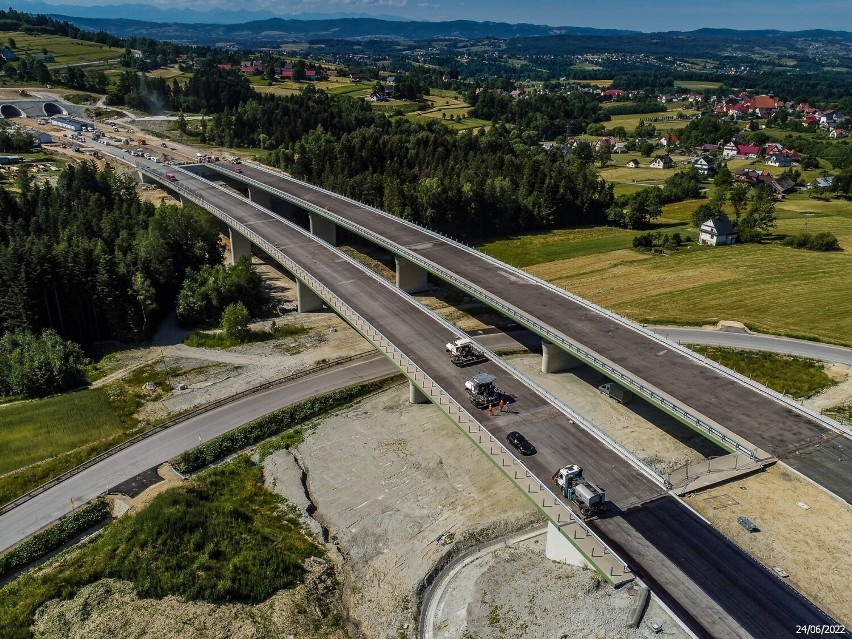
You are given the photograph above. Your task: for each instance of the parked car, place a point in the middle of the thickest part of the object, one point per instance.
(521, 443)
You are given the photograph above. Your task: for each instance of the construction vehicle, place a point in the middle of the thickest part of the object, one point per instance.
(588, 497)
(464, 353)
(616, 391)
(482, 391)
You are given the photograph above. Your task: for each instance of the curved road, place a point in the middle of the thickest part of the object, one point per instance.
(45, 508)
(756, 342)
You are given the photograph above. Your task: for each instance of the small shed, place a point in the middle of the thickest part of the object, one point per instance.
(717, 231)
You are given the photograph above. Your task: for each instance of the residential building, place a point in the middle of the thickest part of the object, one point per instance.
(717, 231)
(662, 162)
(705, 165)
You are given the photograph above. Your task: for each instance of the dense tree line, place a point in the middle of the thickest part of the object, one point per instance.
(88, 259)
(466, 185)
(283, 121)
(540, 114)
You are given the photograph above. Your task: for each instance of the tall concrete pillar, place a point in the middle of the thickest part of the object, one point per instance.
(144, 178)
(260, 197)
(240, 246)
(555, 359)
(323, 228)
(306, 299)
(410, 277)
(416, 394)
(558, 548)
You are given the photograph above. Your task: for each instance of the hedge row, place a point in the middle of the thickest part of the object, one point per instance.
(54, 537)
(270, 425)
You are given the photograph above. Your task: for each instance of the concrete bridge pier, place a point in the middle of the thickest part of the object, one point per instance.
(146, 179)
(410, 277)
(323, 228)
(306, 300)
(555, 359)
(260, 197)
(240, 246)
(558, 548)
(416, 394)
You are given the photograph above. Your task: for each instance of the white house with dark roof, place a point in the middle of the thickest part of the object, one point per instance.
(717, 231)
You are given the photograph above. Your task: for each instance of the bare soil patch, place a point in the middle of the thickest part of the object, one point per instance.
(391, 484)
(516, 592)
(654, 437)
(803, 530)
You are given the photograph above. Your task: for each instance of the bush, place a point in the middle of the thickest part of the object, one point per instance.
(54, 537)
(38, 366)
(813, 242)
(269, 425)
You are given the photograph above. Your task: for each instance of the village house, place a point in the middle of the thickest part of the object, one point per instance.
(634, 164)
(717, 231)
(705, 165)
(662, 162)
(779, 159)
(668, 141)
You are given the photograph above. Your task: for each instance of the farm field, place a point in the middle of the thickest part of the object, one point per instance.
(36, 430)
(630, 122)
(64, 50)
(769, 287)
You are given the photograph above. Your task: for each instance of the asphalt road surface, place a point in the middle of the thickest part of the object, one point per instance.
(757, 342)
(679, 565)
(45, 508)
(756, 418)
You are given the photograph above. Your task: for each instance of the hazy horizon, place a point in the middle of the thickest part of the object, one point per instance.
(639, 15)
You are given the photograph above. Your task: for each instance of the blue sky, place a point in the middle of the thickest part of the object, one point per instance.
(642, 15)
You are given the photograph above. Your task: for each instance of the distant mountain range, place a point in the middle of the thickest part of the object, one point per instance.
(217, 26)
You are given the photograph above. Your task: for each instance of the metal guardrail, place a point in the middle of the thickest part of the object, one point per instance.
(195, 412)
(587, 424)
(623, 321)
(430, 387)
(520, 317)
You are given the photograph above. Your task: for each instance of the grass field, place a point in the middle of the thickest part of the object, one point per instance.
(769, 287)
(538, 248)
(64, 50)
(218, 339)
(697, 86)
(33, 431)
(796, 376)
(630, 122)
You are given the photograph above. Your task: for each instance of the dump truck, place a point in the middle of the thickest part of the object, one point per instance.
(482, 391)
(464, 353)
(589, 498)
(616, 391)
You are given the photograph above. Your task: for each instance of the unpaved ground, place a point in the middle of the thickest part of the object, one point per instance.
(811, 545)
(111, 609)
(839, 394)
(659, 440)
(515, 592)
(212, 374)
(387, 479)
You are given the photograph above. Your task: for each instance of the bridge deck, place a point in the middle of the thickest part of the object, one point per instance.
(770, 425)
(675, 557)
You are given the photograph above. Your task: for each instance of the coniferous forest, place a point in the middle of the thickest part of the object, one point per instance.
(90, 260)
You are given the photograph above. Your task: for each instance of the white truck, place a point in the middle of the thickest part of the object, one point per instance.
(616, 392)
(464, 353)
(588, 497)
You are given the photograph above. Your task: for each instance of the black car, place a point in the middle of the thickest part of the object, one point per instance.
(521, 443)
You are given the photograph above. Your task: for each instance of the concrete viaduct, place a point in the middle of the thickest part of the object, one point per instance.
(716, 588)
